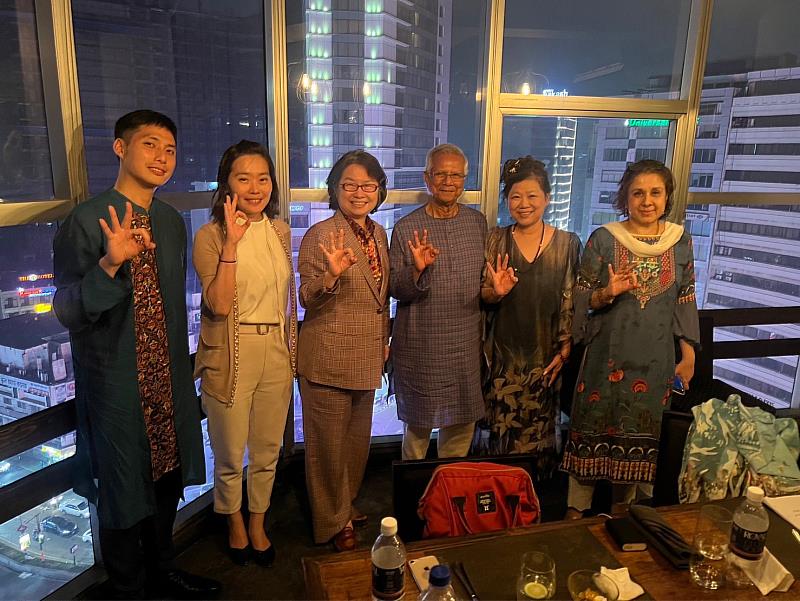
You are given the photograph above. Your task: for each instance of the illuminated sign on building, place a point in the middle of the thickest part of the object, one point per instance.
(647, 122)
(43, 291)
(35, 276)
(552, 92)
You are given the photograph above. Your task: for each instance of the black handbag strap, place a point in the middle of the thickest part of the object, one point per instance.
(458, 503)
(513, 502)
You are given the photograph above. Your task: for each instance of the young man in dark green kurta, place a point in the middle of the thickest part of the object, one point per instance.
(120, 263)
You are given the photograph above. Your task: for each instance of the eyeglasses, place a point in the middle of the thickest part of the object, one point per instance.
(368, 188)
(441, 176)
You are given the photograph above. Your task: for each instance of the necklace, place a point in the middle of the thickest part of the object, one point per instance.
(541, 241)
(639, 234)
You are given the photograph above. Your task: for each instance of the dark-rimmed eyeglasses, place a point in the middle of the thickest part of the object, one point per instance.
(368, 188)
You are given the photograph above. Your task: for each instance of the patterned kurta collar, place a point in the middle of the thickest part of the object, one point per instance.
(152, 357)
(366, 238)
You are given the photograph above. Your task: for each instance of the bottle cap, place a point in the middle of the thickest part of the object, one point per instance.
(388, 526)
(439, 576)
(755, 494)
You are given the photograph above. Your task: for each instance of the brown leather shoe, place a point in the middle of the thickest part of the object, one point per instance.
(345, 540)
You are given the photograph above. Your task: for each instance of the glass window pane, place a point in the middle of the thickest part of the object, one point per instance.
(746, 256)
(194, 220)
(25, 172)
(750, 104)
(23, 464)
(771, 379)
(395, 78)
(749, 256)
(612, 48)
(200, 63)
(36, 369)
(190, 493)
(45, 547)
(585, 159)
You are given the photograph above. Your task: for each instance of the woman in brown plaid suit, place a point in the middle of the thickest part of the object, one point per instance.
(344, 287)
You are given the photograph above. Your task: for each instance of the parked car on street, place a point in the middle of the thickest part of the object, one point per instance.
(87, 536)
(58, 525)
(79, 509)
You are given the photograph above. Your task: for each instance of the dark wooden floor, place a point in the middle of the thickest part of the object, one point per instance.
(289, 527)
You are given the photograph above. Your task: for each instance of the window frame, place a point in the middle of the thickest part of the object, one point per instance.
(56, 44)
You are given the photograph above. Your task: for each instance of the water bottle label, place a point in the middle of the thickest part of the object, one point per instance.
(746, 543)
(387, 584)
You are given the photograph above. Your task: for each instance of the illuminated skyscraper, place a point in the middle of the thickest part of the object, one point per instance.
(376, 77)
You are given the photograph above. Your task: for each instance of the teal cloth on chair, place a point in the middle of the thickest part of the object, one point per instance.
(731, 446)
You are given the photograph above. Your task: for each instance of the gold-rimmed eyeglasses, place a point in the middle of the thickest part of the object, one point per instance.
(441, 176)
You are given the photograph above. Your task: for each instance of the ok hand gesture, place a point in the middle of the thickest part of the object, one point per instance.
(122, 241)
(502, 276)
(236, 222)
(423, 252)
(338, 258)
(621, 282)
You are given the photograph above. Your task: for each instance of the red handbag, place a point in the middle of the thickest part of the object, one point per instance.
(465, 498)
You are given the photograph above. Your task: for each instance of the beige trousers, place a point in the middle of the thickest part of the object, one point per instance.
(337, 425)
(256, 421)
(453, 441)
(579, 494)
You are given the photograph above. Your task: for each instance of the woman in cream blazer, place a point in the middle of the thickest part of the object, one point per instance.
(245, 357)
(344, 287)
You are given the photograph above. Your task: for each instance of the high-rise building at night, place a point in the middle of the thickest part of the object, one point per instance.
(376, 77)
(201, 63)
(754, 255)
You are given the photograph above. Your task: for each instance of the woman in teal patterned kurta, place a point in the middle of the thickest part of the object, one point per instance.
(634, 298)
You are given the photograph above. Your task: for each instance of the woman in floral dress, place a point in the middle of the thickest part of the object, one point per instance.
(634, 299)
(528, 280)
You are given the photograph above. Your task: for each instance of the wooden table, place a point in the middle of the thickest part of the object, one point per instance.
(347, 575)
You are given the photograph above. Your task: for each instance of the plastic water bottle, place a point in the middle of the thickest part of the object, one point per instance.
(388, 563)
(750, 525)
(440, 588)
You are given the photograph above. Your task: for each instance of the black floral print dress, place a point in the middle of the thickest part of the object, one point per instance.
(523, 332)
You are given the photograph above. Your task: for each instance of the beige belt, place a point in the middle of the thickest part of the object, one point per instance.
(257, 328)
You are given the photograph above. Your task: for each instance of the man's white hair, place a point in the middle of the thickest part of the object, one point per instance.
(445, 149)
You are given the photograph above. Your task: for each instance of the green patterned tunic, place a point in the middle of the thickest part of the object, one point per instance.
(629, 364)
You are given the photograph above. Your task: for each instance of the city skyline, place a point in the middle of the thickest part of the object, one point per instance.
(401, 76)
(742, 115)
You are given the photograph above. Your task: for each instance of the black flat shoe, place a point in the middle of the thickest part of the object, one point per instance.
(266, 557)
(239, 556)
(177, 584)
